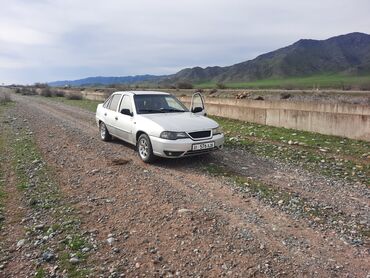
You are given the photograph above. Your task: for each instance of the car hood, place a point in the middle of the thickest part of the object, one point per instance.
(184, 121)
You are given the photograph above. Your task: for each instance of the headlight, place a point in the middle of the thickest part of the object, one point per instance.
(217, 130)
(171, 135)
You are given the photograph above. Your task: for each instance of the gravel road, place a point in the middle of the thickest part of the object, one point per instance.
(173, 218)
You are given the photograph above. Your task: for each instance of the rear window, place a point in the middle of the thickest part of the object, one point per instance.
(114, 103)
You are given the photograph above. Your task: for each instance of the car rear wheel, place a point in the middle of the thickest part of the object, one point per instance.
(144, 147)
(104, 133)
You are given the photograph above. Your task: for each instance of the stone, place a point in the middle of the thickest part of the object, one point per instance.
(48, 256)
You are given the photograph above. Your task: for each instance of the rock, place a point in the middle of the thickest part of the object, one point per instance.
(85, 249)
(281, 202)
(74, 260)
(20, 243)
(39, 227)
(48, 256)
(184, 210)
(110, 240)
(137, 265)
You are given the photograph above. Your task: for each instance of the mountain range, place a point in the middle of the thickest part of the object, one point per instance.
(346, 54)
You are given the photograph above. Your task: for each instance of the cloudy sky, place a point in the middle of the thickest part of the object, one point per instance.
(47, 40)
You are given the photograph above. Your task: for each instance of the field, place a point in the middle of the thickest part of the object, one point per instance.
(328, 81)
(274, 202)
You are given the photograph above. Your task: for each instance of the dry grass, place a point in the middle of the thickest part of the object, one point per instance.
(5, 98)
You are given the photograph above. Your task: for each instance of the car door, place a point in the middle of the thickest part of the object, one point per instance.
(197, 104)
(110, 114)
(124, 119)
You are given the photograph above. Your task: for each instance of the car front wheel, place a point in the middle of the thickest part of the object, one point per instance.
(144, 147)
(104, 133)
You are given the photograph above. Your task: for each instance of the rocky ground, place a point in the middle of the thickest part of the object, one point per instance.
(93, 208)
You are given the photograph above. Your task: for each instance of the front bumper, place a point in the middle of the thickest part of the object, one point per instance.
(183, 147)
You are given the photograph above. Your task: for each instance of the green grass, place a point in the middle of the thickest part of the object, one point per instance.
(330, 155)
(44, 198)
(84, 103)
(324, 81)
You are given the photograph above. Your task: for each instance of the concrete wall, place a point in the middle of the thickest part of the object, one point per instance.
(341, 119)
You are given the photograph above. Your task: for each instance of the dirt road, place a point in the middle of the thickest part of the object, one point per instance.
(174, 218)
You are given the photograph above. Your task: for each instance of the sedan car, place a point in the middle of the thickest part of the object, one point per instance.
(158, 124)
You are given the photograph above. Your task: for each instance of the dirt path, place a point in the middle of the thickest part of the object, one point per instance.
(172, 218)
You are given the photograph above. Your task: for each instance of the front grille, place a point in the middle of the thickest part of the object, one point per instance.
(200, 134)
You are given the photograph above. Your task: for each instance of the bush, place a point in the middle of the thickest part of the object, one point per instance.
(212, 91)
(184, 85)
(58, 93)
(28, 91)
(285, 95)
(365, 86)
(5, 98)
(221, 86)
(46, 92)
(74, 96)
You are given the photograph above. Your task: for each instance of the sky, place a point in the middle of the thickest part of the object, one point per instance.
(49, 40)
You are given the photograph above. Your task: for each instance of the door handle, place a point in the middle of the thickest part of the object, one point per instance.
(116, 118)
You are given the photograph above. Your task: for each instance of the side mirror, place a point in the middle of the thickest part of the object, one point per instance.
(126, 112)
(197, 109)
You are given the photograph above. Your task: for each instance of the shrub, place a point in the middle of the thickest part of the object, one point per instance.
(28, 91)
(365, 86)
(285, 95)
(184, 85)
(5, 98)
(58, 93)
(46, 92)
(74, 96)
(221, 85)
(212, 91)
(199, 91)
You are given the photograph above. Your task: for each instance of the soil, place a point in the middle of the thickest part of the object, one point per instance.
(172, 218)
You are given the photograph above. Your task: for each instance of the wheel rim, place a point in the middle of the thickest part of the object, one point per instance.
(143, 148)
(102, 131)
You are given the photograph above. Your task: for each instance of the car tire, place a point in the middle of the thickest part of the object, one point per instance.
(104, 133)
(144, 148)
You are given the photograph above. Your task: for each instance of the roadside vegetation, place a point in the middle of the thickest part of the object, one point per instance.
(5, 98)
(325, 81)
(50, 218)
(329, 155)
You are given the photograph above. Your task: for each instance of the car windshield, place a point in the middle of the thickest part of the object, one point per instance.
(149, 104)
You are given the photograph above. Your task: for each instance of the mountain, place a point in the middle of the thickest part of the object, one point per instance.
(342, 54)
(101, 80)
(345, 54)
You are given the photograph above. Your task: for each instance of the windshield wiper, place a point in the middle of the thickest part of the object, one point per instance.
(150, 111)
(171, 110)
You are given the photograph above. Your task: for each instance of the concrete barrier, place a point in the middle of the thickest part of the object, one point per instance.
(340, 119)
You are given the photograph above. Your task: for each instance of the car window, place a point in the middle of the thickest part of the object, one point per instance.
(125, 103)
(114, 103)
(107, 102)
(146, 104)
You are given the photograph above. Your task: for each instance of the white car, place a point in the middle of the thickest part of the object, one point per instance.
(158, 124)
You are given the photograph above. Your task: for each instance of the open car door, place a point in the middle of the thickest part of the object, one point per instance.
(197, 104)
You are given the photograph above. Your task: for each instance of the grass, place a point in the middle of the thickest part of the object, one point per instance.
(83, 103)
(329, 155)
(324, 81)
(45, 200)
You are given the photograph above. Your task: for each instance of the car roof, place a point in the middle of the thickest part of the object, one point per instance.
(142, 93)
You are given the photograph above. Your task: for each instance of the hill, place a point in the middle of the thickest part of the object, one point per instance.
(348, 54)
(345, 55)
(101, 80)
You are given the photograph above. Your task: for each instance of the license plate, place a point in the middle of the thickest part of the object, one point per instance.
(203, 146)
